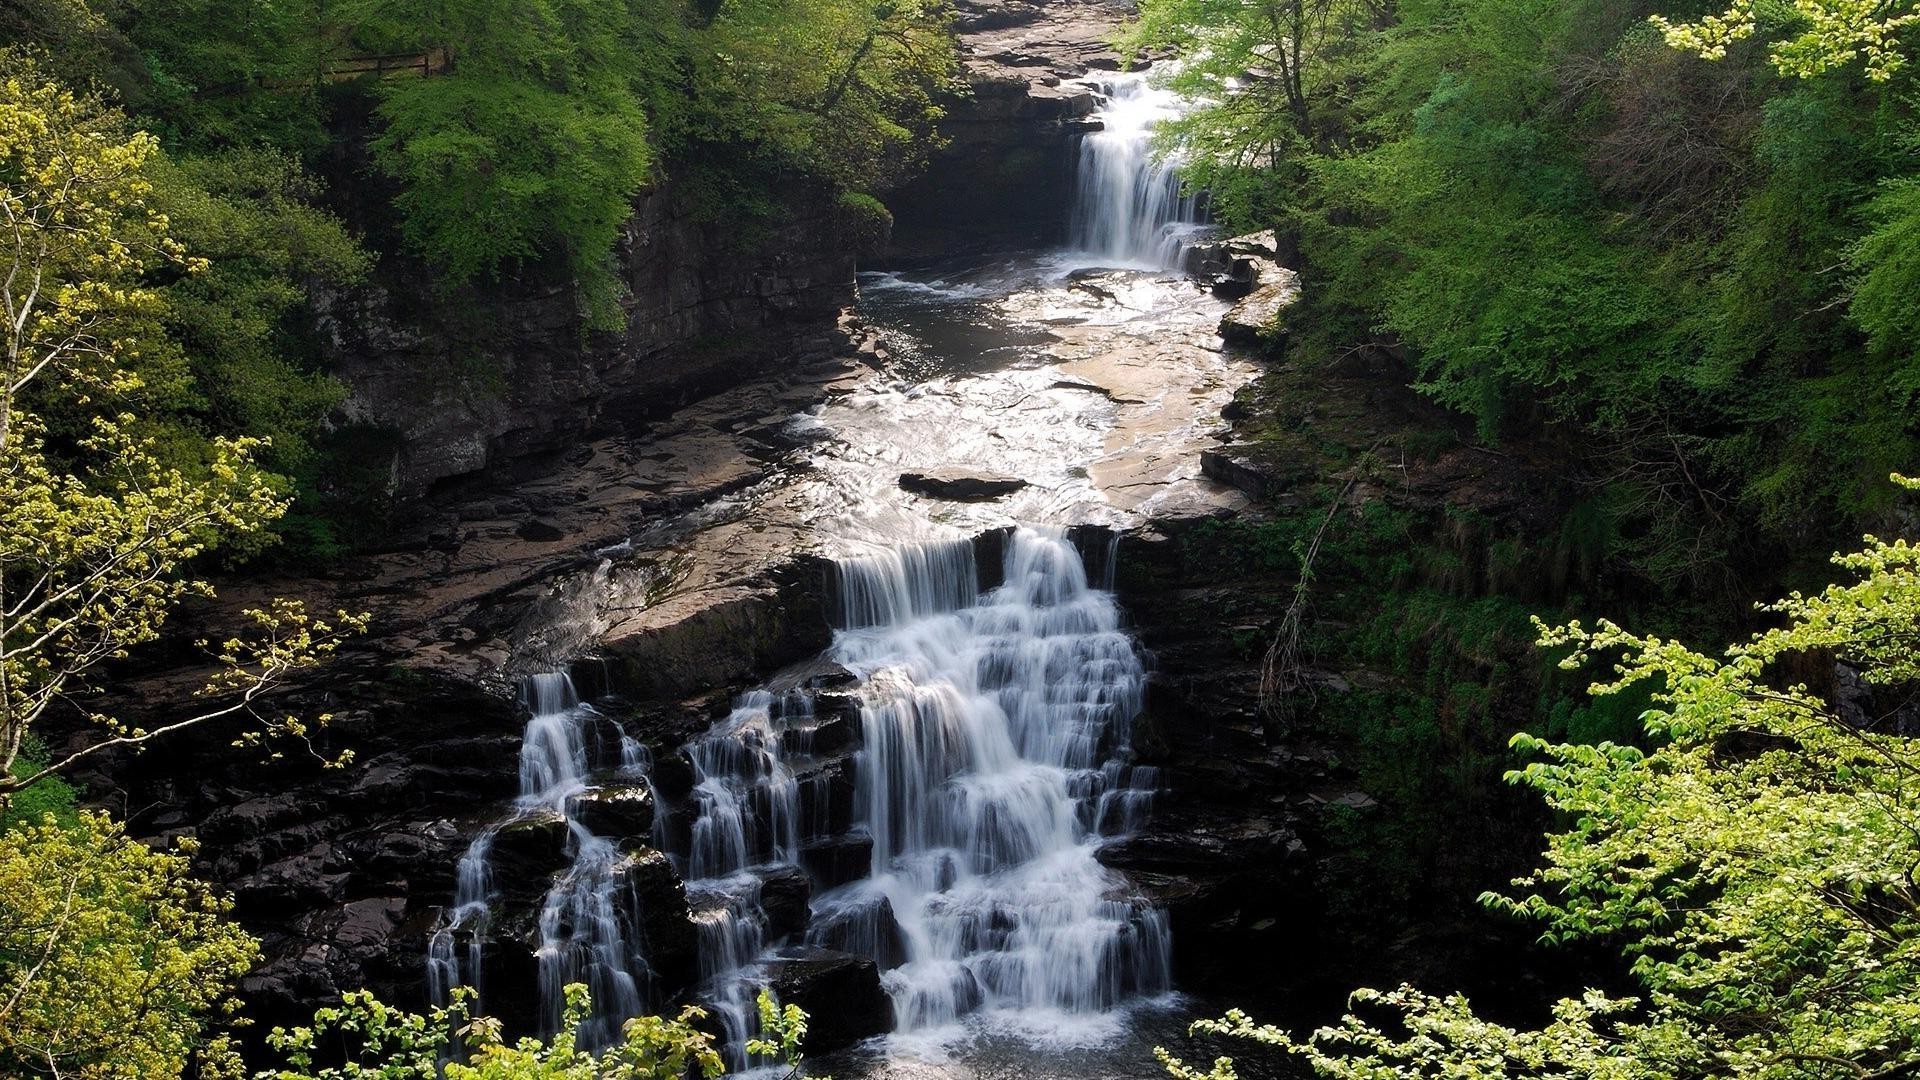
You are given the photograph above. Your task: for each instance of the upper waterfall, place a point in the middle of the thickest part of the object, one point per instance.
(1129, 209)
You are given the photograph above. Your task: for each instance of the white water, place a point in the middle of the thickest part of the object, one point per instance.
(995, 728)
(585, 921)
(1129, 210)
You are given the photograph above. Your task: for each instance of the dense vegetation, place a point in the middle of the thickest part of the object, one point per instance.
(1755, 866)
(502, 139)
(1673, 248)
(1693, 275)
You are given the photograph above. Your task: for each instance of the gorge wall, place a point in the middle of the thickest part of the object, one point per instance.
(444, 386)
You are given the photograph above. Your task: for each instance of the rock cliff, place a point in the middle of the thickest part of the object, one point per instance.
(447, 386)
(1006, 174)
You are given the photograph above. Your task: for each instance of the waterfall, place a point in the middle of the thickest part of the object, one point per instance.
(993, 758)
(1129, 210)
(939, 813)
(585, 920)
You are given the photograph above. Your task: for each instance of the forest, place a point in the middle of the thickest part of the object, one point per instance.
(770, 705)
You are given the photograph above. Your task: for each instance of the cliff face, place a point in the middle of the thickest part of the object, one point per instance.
(1005, 177)
(453, 386)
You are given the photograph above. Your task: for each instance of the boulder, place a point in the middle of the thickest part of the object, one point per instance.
(957, 486)
(659, 900)
(1240, 467)
(784, 894)
(527, 851)
(617, 812)
(861, 923)
(840, 992)
(1256, 317)
(838, 860)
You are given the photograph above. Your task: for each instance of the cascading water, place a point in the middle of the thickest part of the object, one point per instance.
(993, 760)
(585, 920)
(1129, 210)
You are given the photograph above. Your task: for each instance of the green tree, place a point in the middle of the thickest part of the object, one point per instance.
(1755, 867)
(115, 964)
(97, 537)
(1820, 35)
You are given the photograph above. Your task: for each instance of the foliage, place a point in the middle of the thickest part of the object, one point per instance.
(250, 216)
(381, 1041)
(1823, 35)
(50, 795)
(95, 537)
(1754, 866)
(115, 964)
(1690, 276)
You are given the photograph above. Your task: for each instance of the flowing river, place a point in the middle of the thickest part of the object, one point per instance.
(933, 796)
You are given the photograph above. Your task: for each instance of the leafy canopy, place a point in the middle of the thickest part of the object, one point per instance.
(97, 536)
(115, 964)
(384, 1043)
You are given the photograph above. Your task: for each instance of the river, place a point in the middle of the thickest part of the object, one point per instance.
(937, 792)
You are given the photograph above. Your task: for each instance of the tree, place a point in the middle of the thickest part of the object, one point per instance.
(115, 964)
(1757, 867)
(1262, 73)
(99, 531)
(1820, 36)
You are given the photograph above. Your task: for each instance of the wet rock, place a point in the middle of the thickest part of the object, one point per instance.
(838, 860)
(959, 486)
(660, 899)
(818, 673)
(863, 925)
(840, 992)
(528, 851)
(784, 893)
(826, 798)
(673, 776)
(618, 812)
(1256, 317)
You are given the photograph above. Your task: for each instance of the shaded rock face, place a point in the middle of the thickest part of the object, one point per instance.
(1006, 175)
(840, 992)
(343, 872)
(442, 388)
(1222, 850)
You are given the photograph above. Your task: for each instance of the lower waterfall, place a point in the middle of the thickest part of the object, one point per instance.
(585, 928)
(992, 759)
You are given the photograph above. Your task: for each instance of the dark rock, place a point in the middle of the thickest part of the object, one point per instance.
(958, 486)
(784, 893)
(673, 776)
(1238, 468)
(666, 927)
(618, 812)
(528, 851)
(540, 530)
(838, 860)
(826, 798)
(840, 992)
(817, 673)
(863, 925)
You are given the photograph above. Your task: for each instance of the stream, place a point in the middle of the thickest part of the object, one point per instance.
(933, 794)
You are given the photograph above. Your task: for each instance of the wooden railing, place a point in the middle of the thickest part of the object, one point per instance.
(435, 61)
